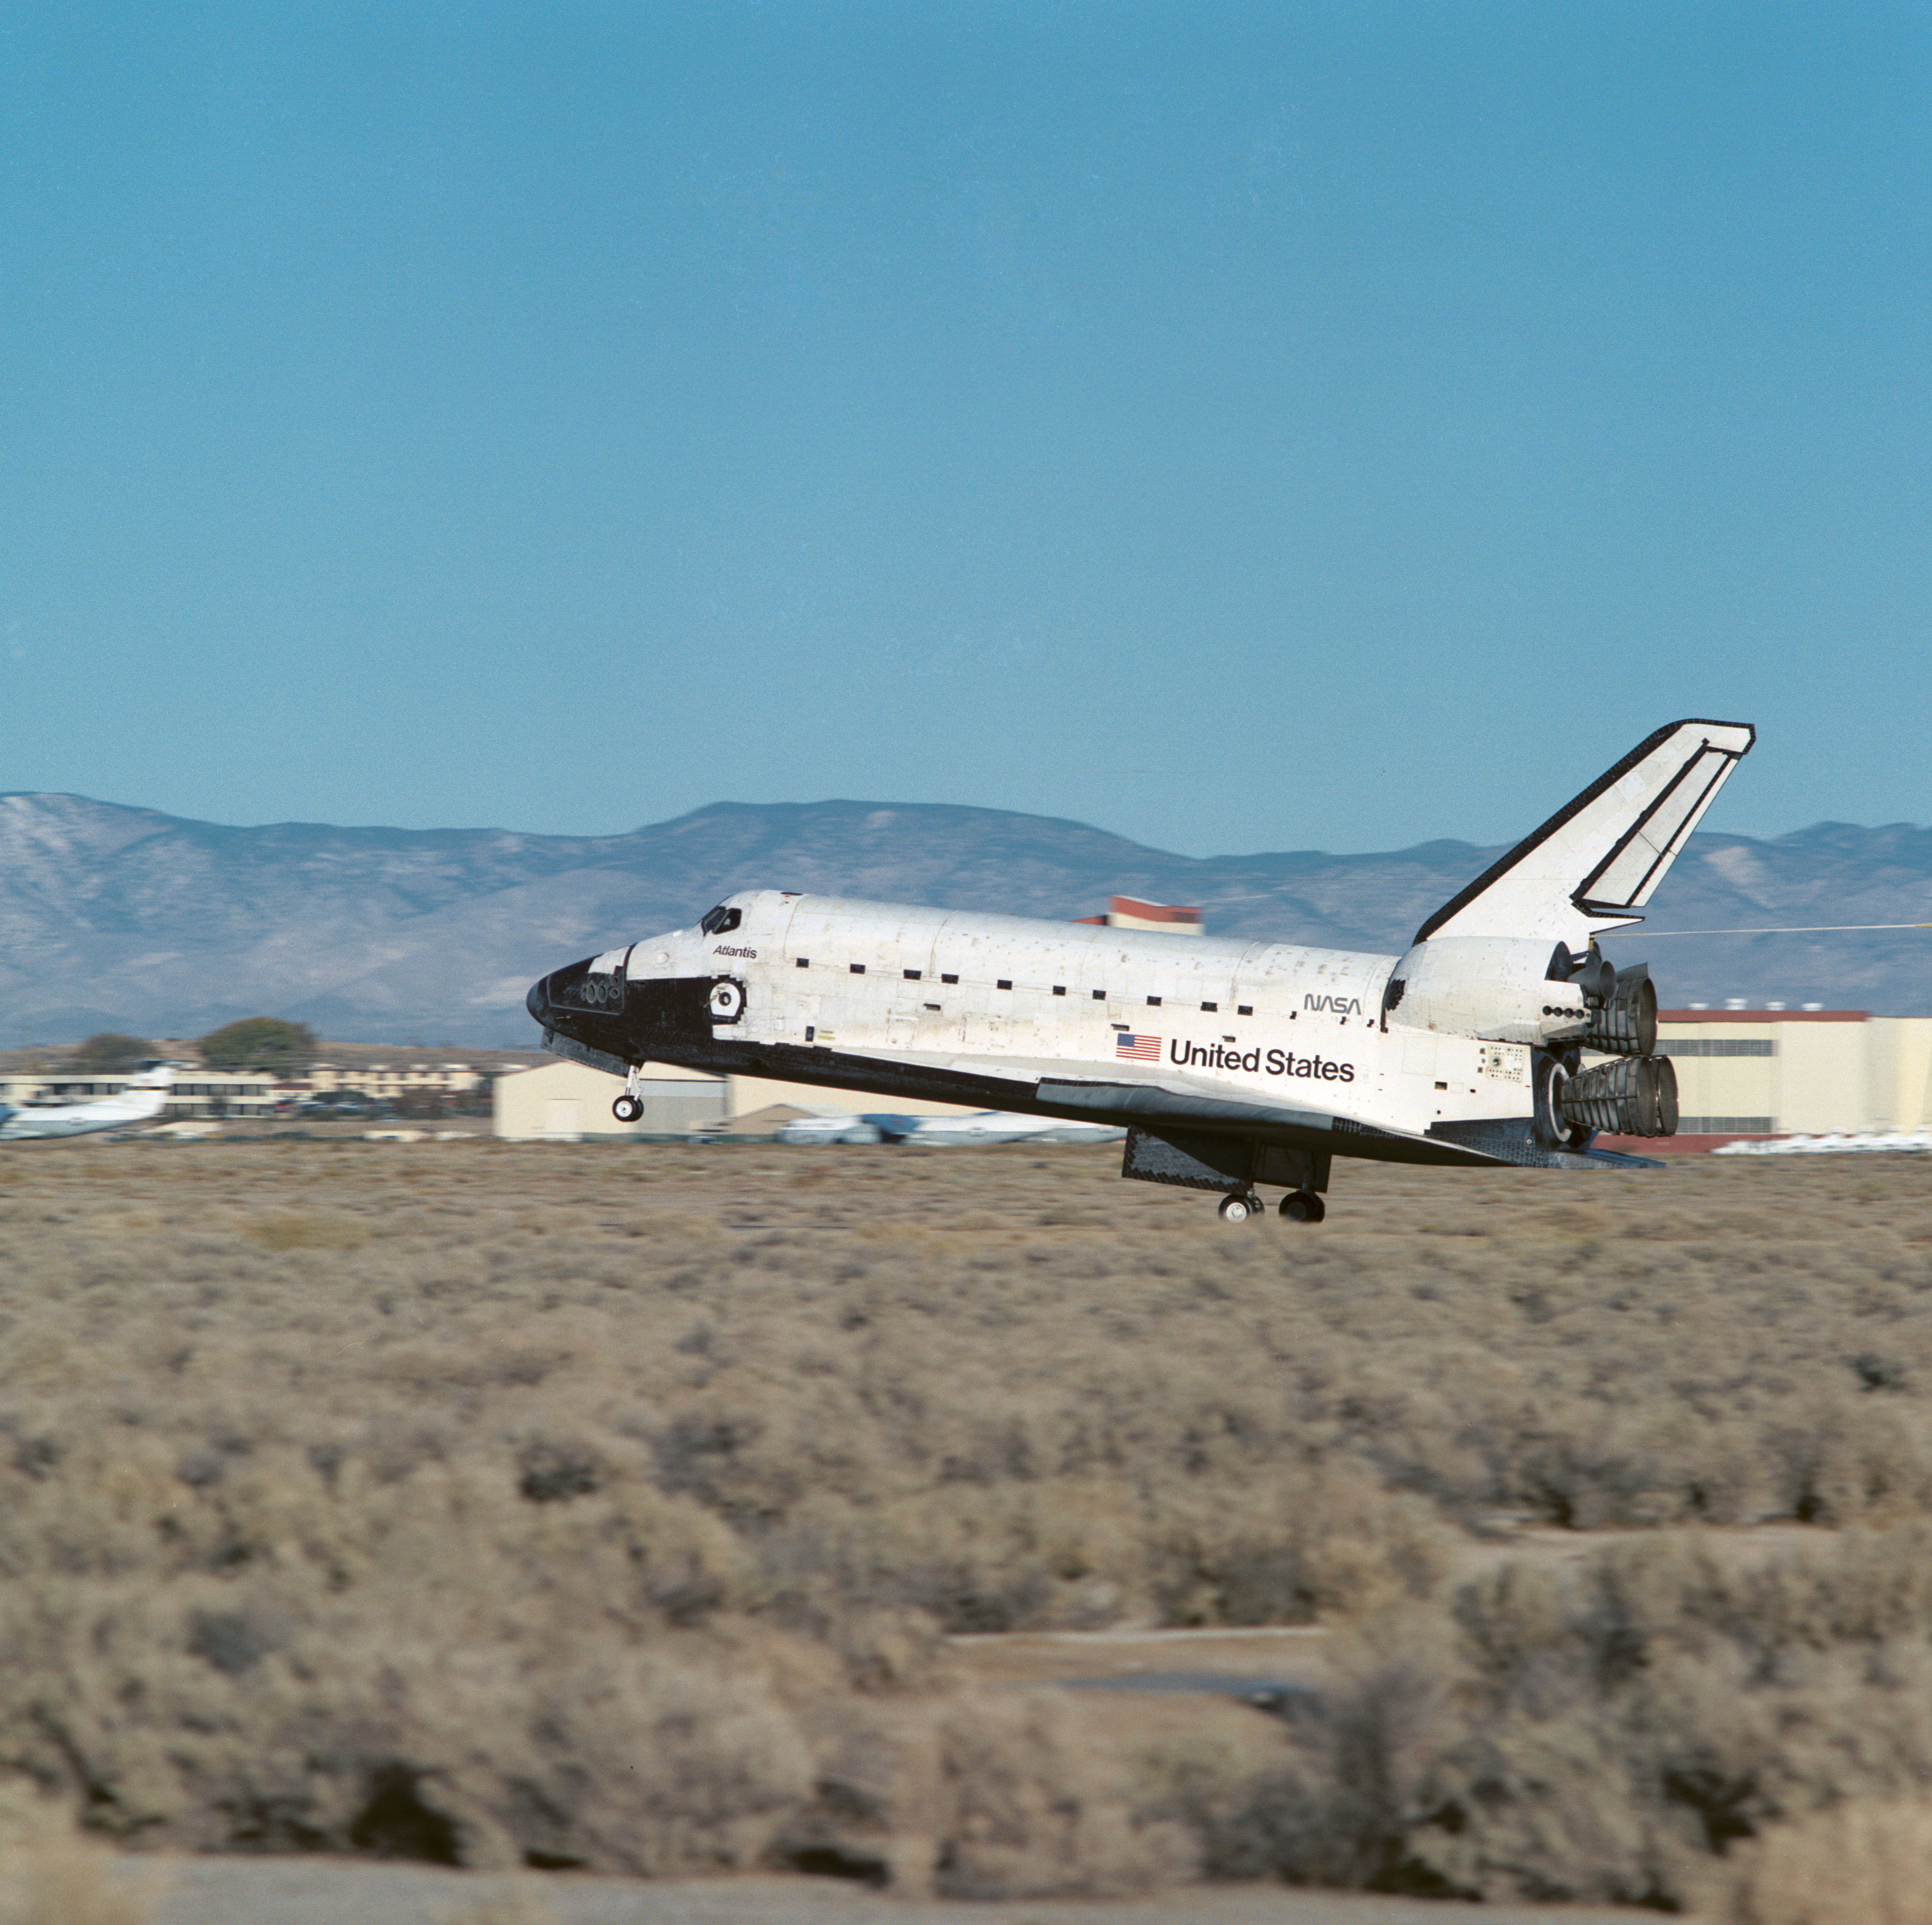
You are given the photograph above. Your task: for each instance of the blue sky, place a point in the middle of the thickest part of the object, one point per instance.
(1242, 427)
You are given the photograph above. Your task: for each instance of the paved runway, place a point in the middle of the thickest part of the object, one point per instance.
(338, 1891)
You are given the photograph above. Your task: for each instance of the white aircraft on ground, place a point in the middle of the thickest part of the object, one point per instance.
(835, 1126)
(1229, 1064)
(982, 1126)
(142, 1100)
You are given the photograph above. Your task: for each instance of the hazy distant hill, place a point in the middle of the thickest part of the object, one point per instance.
(126, 919)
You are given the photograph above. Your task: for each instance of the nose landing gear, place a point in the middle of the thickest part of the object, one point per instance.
(630, 1106)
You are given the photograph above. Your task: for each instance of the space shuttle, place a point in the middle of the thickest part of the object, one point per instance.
(1503, 1035)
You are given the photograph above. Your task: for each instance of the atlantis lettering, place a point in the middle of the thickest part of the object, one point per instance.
(1275, 1062)
(725, 949)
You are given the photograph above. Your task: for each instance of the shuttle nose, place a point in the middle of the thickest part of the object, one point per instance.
(559, 1000)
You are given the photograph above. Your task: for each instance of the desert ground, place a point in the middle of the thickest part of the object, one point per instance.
(907, 1526)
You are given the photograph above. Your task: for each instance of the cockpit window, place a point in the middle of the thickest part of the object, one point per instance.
(721, 920)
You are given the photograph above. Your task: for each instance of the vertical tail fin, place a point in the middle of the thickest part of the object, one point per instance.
(1597, 861)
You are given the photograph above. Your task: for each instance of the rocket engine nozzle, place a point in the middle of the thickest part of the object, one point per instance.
(1622, 1002)
(1625, 1022)
(1633, 1095)
(1593, 972)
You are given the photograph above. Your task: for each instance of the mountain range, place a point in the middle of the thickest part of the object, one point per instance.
(125, 919)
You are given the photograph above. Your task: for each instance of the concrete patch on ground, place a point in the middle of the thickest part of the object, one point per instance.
(333, 1891)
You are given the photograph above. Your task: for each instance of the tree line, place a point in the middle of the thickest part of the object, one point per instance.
(264, 1043)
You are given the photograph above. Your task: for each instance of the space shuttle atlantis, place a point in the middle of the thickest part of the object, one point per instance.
(1504, 1035)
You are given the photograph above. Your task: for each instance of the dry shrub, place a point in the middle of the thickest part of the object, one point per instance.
(1866, 1862)
(627, 1760)
(972, 1794)
(1298, 1547)
(284, 1725)
(1076, 1553)
(1609, 1733)
(487, 1503)
(876, 1812)
(1029, 1812)
(51, 1875)
(891, 1651)
(1213, 1790)
(1664, 1704)
(130, 1505)
(1343, 1808)
(976, 1563)
(1064, 1553)
(307, 1232)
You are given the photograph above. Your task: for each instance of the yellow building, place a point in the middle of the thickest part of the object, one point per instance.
(1784, 1072)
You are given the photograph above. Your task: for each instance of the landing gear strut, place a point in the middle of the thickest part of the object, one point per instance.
(630, 1106)
(1303, 1207)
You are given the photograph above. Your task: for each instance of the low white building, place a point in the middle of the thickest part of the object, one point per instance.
(388, 1082)
(751, 1094)
(566, 1102)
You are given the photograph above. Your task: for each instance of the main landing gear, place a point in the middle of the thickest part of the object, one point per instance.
(1298, 1207)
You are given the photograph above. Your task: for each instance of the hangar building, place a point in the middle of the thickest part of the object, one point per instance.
(1786, 1072)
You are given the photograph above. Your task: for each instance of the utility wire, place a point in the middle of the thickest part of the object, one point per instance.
(1804, 929)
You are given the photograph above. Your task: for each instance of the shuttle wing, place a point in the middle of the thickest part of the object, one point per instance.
(1596, 862)
(1203, 1107)
(1165, 1096)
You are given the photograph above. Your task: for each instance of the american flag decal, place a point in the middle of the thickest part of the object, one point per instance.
(1138, 1049)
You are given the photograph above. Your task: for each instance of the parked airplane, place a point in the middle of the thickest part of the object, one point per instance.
(834, 1127)
(993, 1126)
(1229, 1064)
(982, 1126)
(141, 1101)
